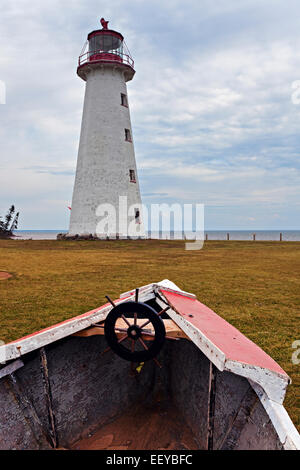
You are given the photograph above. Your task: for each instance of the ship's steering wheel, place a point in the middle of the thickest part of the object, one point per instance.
(128, 341)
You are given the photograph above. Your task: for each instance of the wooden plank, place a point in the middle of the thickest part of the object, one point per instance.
(231, 438)
(172, 330)
(10, 368)
(14, 387)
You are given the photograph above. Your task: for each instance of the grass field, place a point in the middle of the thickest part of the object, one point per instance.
(253, 285)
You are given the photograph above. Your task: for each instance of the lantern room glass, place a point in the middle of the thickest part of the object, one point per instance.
(108, 43)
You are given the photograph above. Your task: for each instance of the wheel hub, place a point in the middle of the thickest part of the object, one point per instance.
(134, 332)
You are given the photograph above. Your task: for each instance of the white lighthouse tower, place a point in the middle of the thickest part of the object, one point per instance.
(106, 196)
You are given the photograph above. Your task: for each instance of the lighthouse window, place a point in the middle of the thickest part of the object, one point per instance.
(124, 100)
(132, 176)
(137, 216)
(127, 135)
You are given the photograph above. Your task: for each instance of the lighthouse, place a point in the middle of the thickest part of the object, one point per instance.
(106, 197)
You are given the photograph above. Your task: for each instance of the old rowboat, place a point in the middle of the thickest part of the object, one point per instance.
(155, 369)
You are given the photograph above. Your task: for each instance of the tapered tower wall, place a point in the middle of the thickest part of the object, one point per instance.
(106, 167)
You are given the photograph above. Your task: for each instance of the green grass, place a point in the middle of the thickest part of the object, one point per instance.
(253, 285)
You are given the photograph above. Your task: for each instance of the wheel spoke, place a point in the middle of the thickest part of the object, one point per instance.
(144, 345)
(157, 363)
(159, 313)
(122, 339)
(132, 345)
(163, 311)
(135, 319)
(121, 330)
(125, 320)
(146, 323)
(105, 351)
(110, 301)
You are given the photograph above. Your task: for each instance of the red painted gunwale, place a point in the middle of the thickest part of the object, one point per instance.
(222, 334)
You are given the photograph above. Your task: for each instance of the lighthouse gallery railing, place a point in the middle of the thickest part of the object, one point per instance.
(111, 56)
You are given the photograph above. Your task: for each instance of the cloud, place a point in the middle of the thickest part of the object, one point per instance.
(213, 120)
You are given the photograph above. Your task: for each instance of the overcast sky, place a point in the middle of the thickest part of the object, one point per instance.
(211, 105)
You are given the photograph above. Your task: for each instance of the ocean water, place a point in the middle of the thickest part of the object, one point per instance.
(266, 235)
(37, 234)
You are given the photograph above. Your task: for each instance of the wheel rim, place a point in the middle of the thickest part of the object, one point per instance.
(127, 345)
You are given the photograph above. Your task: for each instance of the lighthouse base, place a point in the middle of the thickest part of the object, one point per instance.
(68, 236)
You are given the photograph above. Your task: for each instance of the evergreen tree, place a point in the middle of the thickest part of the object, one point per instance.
(9, 224)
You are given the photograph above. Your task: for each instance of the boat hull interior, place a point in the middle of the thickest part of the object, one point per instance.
(97, 403)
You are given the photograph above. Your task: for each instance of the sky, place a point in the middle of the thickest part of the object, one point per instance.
(214, 106)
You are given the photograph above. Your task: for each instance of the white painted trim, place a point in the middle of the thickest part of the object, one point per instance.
(169, 286)
(210, 350)
(40, 339)
(23, 346)
(281, 421)
(274, 384)
(166, 283)
(144, 289)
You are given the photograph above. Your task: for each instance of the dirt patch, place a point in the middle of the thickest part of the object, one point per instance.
(4, 275)
(143, 427)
